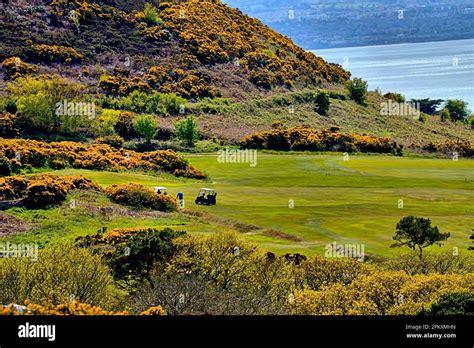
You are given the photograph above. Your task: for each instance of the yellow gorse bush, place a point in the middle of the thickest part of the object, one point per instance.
(40, 191)
(306, 139)
(381, 293)
(58, 155)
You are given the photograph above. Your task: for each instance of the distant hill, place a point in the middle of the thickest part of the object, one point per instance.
(342, 23)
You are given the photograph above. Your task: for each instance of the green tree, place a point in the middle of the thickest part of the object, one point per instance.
(357, 89)
(417, 232)
(187, 130)
(37, 100)
(145, 126)
(322, 103)
(457, 110)
(428, 106)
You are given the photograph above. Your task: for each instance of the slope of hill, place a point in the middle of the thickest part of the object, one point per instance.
(195, 49)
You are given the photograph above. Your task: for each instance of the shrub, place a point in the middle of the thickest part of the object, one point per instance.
(97, 156)
(137, 195)
(53, 54)
(380, 293)
(453, 304)
(151, 15)
(61, 271)
(14, 68)
(322, 103)
(125, 126)
(157, 310)
(114, 141)
(42, 191)
(187, 130)
(5, 167)
(444, 115)
(357, 89)
(434, 262)
(145, 126)
(67, 308)
(319, 272)
(134, 260)
(8, 124)
(106, 122)
(399, 98)
(141, 102)
(461, 147)
(305, 139)
(36, 100)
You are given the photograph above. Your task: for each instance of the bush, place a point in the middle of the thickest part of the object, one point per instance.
(134, 260)
(125, 126)
(106, 122)
(442, 263)
(60, 271)
(145, 126)
(187, 130)
(14, 68)
(153, 103)
(357, 89)
(319, 272)
(322, 103)
(114, 141)
(8, 124)
(397, 97)
(139, 196)
(462, 147)
(67, 308)
(53, 54)
(36, 100)
(97, 156)
(151, 15)
(380, 293)
(5, 167)
(453, 304)
(42, 191)
(306, 139)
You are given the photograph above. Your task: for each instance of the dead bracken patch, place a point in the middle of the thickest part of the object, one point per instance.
(10, 225)
(282, 235)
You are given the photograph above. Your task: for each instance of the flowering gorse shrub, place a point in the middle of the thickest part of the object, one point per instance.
(306, 139)
(139, 196)
(44, 190)
(39, 154)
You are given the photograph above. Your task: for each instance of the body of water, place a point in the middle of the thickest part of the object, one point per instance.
(436, 70)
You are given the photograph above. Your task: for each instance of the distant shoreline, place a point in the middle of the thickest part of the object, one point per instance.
(385, 44)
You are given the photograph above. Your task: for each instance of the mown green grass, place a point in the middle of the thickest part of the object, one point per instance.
(354, 201)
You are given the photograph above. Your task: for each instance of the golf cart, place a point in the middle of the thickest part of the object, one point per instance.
(160, 190)
(206, 197)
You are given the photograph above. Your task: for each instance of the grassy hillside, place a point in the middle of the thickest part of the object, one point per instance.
(173, 48)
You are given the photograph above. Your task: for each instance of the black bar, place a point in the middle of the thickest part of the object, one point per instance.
(241, 331)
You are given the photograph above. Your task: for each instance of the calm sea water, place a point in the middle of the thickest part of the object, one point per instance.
(437, 70)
